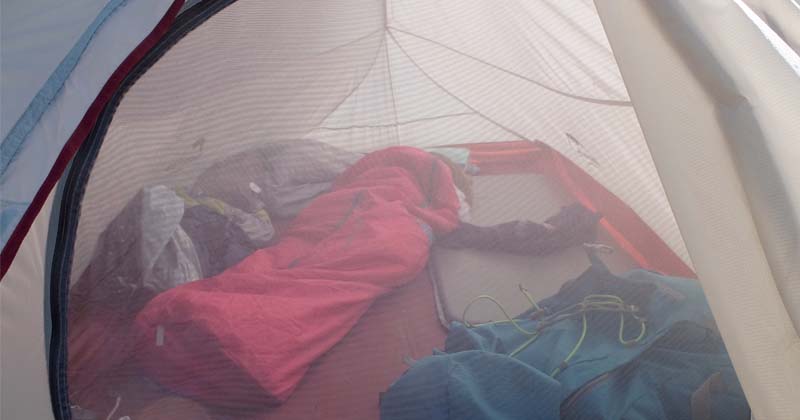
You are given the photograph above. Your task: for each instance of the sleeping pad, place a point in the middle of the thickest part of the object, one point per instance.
(248, 335)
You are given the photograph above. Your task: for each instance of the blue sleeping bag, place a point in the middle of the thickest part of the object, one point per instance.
(636, 346)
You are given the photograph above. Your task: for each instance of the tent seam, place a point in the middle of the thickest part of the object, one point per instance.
(355, 88)
(454, 96)
(349, 127)
(391, 84)
(598, 101)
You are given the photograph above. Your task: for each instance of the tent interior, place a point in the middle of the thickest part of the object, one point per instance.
(381, 210)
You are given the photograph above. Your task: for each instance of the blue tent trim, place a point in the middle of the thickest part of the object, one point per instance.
(15, 140)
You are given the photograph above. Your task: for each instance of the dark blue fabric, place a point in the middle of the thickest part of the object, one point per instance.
(659, 385)
(572, 225)
(474, 378)
(472, 385)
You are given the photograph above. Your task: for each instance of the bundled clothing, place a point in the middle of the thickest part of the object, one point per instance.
(573, 225)
(144, 251)
(222, 234)
(162, 239)
(637, 346)
(280, 178)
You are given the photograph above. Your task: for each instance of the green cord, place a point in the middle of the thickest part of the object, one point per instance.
(502, 309)
(529, 297)
(574, 349)
(643, 330)
(590, 303)
(522, 346)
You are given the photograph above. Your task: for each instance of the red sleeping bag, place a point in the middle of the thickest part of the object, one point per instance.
(248, 335)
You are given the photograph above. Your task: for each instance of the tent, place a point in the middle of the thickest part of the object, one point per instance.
(685, 111)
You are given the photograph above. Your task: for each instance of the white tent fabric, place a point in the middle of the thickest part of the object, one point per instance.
(781, 16)
(715, 87)
(731, 175)
(24, 390)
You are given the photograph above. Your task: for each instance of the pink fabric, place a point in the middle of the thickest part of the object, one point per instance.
(346, 382)
(248, 335)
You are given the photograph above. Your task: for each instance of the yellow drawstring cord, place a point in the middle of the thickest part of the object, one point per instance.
(642, 330)
(574, 349)
(502, 309)
(590, 303)
(530, 298)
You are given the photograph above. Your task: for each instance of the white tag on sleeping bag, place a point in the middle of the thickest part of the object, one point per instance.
(255, 188)
(159, 336)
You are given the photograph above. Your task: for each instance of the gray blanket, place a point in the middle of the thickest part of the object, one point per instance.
(281, 177)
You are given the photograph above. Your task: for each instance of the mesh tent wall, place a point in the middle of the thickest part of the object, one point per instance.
(708, 88)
